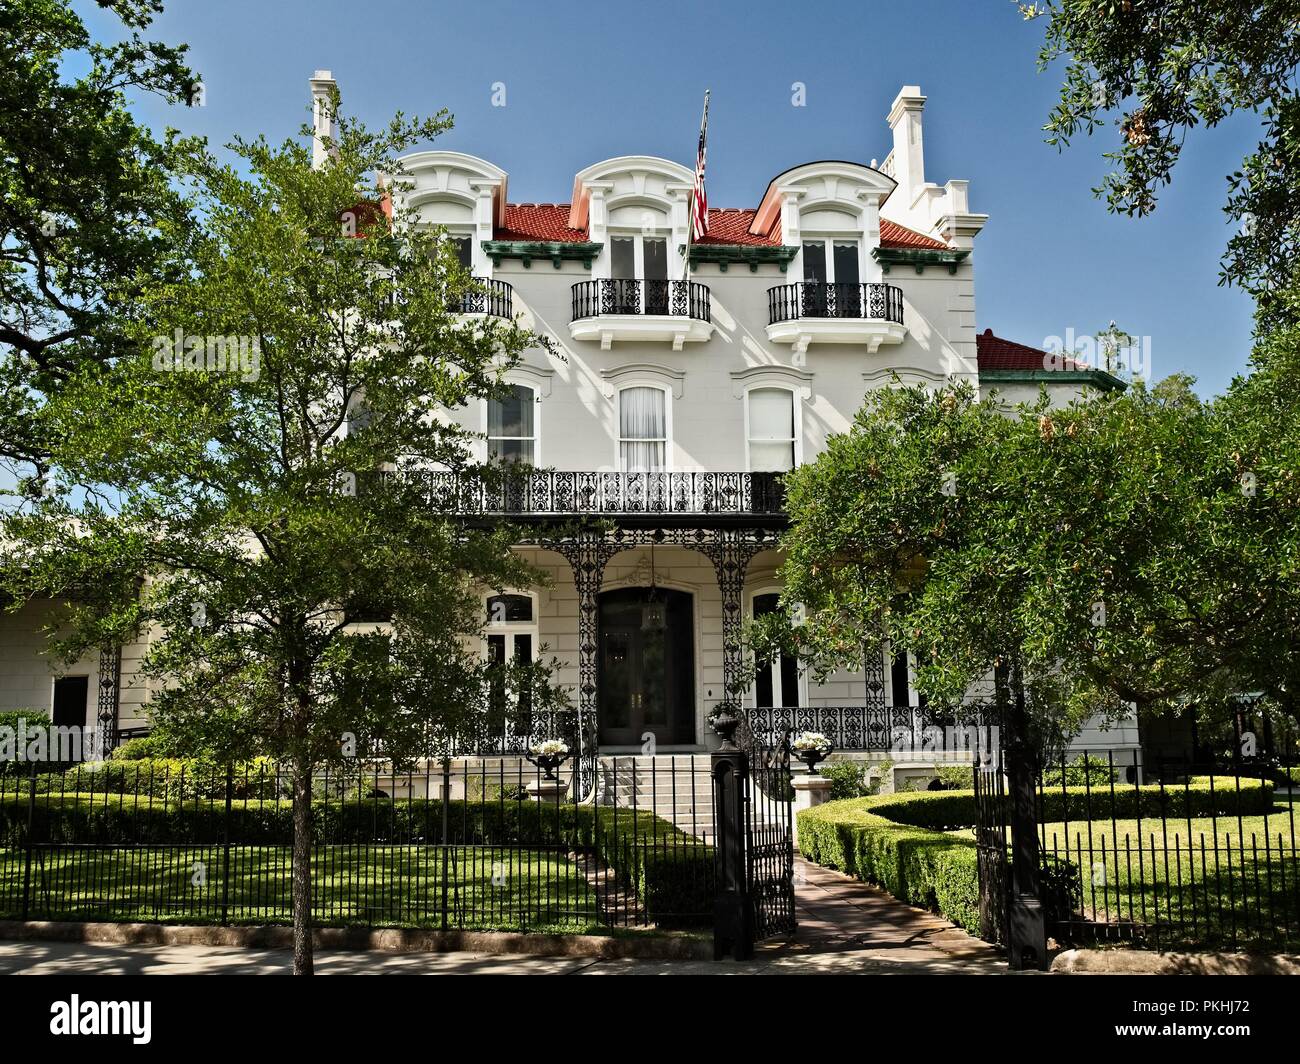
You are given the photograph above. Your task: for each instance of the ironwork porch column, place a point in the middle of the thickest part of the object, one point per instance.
(587, 554)
(109, 697)
(731, 551)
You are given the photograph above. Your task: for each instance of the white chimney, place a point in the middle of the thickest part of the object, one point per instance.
(323, 86)
(909, 150)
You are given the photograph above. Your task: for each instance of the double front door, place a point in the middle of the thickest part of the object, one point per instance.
(646, 675)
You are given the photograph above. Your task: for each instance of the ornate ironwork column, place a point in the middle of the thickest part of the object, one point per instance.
(731, 551)
(110, 682)
(587, 554)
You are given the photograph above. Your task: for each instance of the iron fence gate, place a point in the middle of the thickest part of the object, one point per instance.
(769, 839)
(991, 841)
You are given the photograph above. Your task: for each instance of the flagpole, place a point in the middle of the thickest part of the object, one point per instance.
(690, 204)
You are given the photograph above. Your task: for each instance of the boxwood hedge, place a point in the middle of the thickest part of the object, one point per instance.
(898, 841)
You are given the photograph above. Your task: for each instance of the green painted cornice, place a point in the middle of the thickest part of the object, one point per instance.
(920, 258)
(1097, 378)
(754, 255)
(527, 250)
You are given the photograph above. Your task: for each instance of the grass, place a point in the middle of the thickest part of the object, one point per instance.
(487, 888)
(1210, 881)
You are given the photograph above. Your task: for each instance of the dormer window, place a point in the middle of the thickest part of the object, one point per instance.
(640, 259)
(464, 250)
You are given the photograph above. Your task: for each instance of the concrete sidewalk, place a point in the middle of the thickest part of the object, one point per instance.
(845, 927)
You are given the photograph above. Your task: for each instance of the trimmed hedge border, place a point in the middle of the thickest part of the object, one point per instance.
(899, 841)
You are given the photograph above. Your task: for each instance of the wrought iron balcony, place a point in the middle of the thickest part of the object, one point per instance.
(490, 296)
(546, 492)
(817, 312)
(820, 299)
(679, 299)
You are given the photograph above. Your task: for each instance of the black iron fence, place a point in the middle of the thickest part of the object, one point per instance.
(681, 299)
(476, 843)
(1172, 854)
(823, 299)
(524, 490)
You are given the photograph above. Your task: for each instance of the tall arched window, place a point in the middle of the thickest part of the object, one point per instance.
(512, 425)
(771, 427)
(642, 429)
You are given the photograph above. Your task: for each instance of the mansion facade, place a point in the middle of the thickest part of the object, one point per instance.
(693, 374)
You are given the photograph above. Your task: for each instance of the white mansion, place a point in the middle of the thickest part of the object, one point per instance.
(674, 409)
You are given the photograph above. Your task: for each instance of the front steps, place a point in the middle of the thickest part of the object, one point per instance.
(676, 787)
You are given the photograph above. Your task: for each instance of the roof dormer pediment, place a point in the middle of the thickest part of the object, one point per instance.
(643, 181)
(830, 187)
(451, 177)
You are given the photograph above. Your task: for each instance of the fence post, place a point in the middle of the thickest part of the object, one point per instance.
(1026, 920)
(225, 848)
(733, 924)
(446, 813)
(27, 859)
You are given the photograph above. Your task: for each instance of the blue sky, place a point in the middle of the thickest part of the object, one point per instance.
(584, 82)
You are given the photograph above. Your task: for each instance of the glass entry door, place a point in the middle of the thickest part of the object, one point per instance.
(646, 668)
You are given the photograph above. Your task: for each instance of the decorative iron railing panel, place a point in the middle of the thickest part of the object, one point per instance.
(820, 299)
(679, 299)
(857, 729)
(490, 297)
(525, 490)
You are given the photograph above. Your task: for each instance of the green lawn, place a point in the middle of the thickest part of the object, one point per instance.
(487, 888)
(1170, 880)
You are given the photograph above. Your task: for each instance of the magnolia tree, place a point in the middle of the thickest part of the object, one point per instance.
(1129, 548)
(243, 489)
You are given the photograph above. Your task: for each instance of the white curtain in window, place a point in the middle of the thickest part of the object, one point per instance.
(771, 430)
(642, 430)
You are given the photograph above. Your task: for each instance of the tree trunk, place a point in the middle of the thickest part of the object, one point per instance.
(302, 945)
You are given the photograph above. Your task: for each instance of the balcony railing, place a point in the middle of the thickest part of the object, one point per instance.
(524, 491)
(679, 299)
(488, 297)
(909, 730)
(821, 299)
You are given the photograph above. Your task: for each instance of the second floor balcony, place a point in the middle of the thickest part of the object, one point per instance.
(524, 491)
(825, 312)
(488, 296)
(612, 309)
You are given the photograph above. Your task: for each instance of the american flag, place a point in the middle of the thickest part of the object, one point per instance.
(699, 199)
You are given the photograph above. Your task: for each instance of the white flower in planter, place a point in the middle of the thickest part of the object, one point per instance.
(812, 740)
(550, 748)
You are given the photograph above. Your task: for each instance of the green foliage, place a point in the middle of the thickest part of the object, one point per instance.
(1083, 770)
(847, 778)
(86, 190)
(141, 749)
(1161, 68)
(956, 777)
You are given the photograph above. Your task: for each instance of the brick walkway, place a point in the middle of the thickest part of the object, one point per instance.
(846, 926)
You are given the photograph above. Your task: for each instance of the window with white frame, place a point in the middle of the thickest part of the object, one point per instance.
(830, 260)
(770, 417)
(642, 429)
(778, 681)
(510, 636)
(512, 425)
(639, 270)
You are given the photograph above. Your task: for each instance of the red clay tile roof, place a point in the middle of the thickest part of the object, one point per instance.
(727, 225)
(539, 221)
(993, 352)
(893, 235)
(730, 225)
